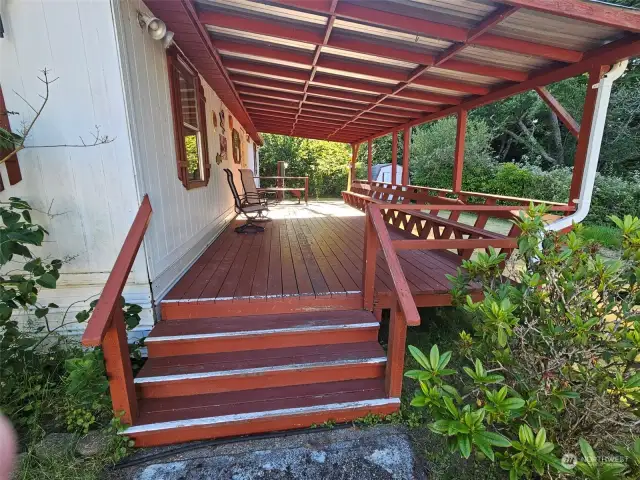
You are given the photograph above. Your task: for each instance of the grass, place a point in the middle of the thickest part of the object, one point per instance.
(439, 326)
(60, 468)
(608, 237)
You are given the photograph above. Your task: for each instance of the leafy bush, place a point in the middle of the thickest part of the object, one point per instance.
(432, 153)
(553, 358)
(602, 235)
(47, 381)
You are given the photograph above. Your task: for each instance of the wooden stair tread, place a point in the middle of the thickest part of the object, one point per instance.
(172, 409)
(228, 362)
(259, 323)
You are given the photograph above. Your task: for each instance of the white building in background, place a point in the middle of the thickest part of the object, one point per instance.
(382, 172)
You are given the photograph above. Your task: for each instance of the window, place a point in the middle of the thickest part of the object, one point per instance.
(12, 165)
(189, 122)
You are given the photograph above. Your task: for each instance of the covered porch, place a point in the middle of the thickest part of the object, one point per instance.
(310, 255)
(290, 316)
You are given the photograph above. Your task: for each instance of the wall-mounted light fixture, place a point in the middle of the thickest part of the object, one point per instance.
(156, 29)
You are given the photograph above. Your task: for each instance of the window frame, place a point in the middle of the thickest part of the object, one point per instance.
(12, 165)
(178, 65)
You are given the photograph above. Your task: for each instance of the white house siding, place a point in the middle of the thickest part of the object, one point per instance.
(184, 221)
(91, 191)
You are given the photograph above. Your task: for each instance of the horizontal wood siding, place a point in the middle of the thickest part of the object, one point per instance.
(91, 191)
(185, 222)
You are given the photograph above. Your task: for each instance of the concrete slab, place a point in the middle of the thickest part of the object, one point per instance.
(375, 453)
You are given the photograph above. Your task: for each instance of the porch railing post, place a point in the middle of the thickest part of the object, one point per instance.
(588, 113)
(405, 156)
(306, 189)
(370, 162)
(458, 162)
(394, 158)
(395, 351)
(118, 366)
(370, 255)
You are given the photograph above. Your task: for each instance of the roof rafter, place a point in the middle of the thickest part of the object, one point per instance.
(442, 31)
(444, 58)
(281, 30)
(325, 40)
(610, 53)
(601, 14)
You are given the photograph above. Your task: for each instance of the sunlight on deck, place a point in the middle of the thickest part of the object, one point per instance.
(315, 209)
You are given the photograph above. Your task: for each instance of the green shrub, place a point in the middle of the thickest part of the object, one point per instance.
(48, 382)
(432, 153)
(602, 235)
(552, 361)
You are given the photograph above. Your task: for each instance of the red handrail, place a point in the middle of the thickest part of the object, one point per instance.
(106, 326)
(464, 194)
(400, 285)
(404, 311)
(110, 296)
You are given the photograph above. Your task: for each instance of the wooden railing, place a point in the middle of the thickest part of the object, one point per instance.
(403, 308)
(390, 192)
(106, 326)
(363, 192)
(421, 231)
(280, 183)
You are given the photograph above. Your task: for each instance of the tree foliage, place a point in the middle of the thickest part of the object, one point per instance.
(325, 163)
(524, 129)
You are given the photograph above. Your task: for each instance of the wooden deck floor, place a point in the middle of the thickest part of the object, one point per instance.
(308, 253)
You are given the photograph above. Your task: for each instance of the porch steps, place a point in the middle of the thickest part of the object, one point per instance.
(181, 419)
(227, 376)
(276, 367)
(232, 334)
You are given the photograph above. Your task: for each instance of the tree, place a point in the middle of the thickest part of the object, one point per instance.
(432, 153)
(325, 163)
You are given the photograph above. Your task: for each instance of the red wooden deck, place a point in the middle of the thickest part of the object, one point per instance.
(309, 255)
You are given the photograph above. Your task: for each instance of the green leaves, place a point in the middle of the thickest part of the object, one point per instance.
(434, 366)
(593, 469)
(47, 280)
(555, 351)
(480, 375)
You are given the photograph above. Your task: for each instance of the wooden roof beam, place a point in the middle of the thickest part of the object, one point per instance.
(445, 58)
(314, 68)
(257, 102)
(260, 92)
(340, 94)
(420, 107)
(266, 69)
(261, 82)
(281, 30)
(606, 55)
(441, 31)
(591, 12)
(557, 108)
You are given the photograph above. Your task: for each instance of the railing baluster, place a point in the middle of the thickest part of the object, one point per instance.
(395, 351)
(118, 366)
(370, 254)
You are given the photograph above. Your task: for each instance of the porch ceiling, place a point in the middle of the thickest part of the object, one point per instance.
(349, 70)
